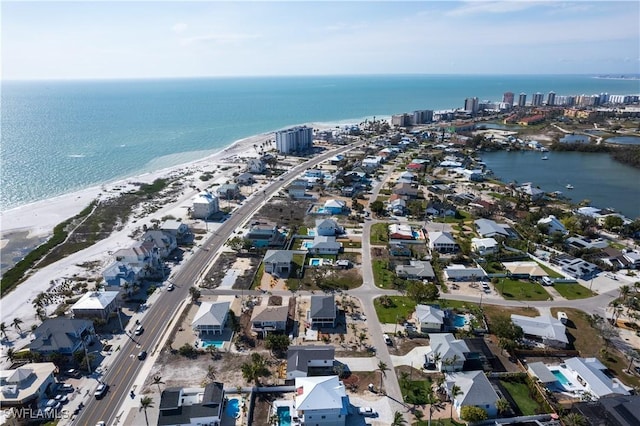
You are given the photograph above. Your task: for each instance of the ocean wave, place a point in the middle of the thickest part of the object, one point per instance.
(76, 155)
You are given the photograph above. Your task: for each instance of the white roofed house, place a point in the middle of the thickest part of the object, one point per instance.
(244, 179)
(485, 246)
(442, 242)
(120, 275)
(475, 390)
(179, 230)
(278, 262)
(489, 228)
(325, 245)
(447, 352)
(544, 328)
(96, 304)
(592, 374)
(142, 257)
(265, 319)
(211, 318)
(400, 232)
(165, 242)
(531, 192)
(457, 272)
(416, 270)
(398, 207)
(321, 401)
(256, 166)
(429, 318)
(328, 227)
(551, 224)
(26, 383)
(335, 206)
(204, 205)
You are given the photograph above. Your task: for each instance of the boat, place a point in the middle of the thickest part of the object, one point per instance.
(544, 157)
(556, 194)
(569, 186)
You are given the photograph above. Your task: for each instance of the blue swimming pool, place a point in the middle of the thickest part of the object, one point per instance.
(216, 343)
(307, 244)
(233, 408)
(314, 262)
(311, 232)
(459, 321)
(284, 416)
(561, 378)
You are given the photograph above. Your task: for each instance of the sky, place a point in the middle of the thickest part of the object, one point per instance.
(164, 39)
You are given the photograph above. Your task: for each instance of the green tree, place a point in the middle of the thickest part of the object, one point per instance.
(574, 419)
(421, 292)
(377, 207)
(506, 330)
(382, 368)
(470, 413)
(16, 324)
(453, 393)
(277, 343)
(398, 419)
(145, 402)
(612, 223)
(502, 405)
(195, 294)
(252, 371)
(3, 329)
(10, 355)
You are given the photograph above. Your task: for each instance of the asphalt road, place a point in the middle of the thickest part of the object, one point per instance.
(125, 366)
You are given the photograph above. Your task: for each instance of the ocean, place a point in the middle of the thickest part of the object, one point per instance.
(62, 136)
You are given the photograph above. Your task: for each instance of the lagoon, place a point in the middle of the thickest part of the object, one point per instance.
(624, 140)
(594, 176)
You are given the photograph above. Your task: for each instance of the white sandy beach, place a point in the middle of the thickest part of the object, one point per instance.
(39, 219)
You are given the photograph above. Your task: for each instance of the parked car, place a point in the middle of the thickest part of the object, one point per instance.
(170, 287)
(139, 330)
(367, 411)
(66, 387)
(101, 390)
(63, 399)
(387, 340)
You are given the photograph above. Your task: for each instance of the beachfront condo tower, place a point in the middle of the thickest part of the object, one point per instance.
(295, 139)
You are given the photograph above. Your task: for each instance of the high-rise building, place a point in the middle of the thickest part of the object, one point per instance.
(551, 98)
(507, 98)
(537, 100)
(471, 105)
(422, 116)
(295, 139)
(401, 120)
(522, 100)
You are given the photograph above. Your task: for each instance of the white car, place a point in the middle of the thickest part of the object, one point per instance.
(366, 411)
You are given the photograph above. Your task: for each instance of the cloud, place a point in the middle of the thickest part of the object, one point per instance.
(478, 7)
(221, 38)
(180, 27)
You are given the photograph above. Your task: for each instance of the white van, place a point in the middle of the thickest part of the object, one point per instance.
(547, 281)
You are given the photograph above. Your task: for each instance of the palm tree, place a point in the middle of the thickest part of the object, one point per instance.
(437, 357)
(574, 419)
(145, 403)
(502, 405)
(383, 368)
(453, 393)
(398, 419)
(16, 324)
(157, 380)
(3, 329)
(624, 292)
(10, 354)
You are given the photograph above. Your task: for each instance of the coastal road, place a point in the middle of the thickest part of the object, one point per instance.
(125, 366)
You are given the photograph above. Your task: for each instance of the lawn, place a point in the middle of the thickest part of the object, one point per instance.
(573, 291)
(415, 391)
(382, 276)
(521, 290)
(550, 272)
(379, 233)
(520, 394)
(302, 230)
(439, 422)
(400, 307)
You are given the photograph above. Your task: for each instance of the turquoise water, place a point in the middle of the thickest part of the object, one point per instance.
(459, 321)
(284, 416)
(61, 136)
(595, 177)
(561, 378)
(314, 262)
(311, 232)
(215, 343)
(233, 407)
(307, 244)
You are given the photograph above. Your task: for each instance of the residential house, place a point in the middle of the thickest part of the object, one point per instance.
(429, 319)
(278, 262)
(594, 376)
(618, 410)
(211, 317)
(442, 242)
(544, 328)
(446, 352)
(120, 275)
(228, 191)
(400, 232)
(551, 224)
(576, 267)
(525, 270)
(142, 258)
(530, 192)
(302, 358)
(405, 189)
(633, 257)
(580, 243)
(407, 177)
(328, 227)
(192, 406)
(320, 401)
(416, 167)
(269, 319)
(397, 207)
(485, 246)
(26, 383)
(323, 312)
(372, 163)
(265, 236)
(61, 335)
(96, 304)
(204, 205)
(457, 272)
(324, 245)
(244, 179)
(164, 242)
(488, 228)
(335, 206)
(180, 231)
(399, 249)
(256, 166)
(297, 189)
(416, 270)
(475, 390)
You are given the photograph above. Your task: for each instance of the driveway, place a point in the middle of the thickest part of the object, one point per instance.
(415, 358)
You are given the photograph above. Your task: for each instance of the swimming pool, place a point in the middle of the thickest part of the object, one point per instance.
(315, 262)
(561, 378)
(233, 408)
(311, 232)
(306, 244)
(459, 321)
(216, 343)
(284, 416)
